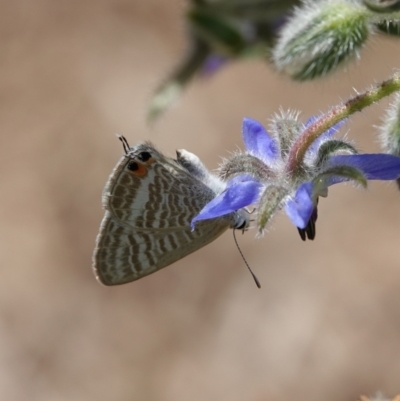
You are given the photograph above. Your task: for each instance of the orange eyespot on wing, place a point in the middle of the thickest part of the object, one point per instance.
(137, 169)
(140, 168)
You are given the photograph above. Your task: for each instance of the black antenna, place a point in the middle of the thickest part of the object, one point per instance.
(125, 143)
(245, 261)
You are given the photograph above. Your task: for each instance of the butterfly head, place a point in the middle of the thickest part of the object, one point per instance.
(241, 220)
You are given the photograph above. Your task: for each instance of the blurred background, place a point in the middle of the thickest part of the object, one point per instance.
(326, 323)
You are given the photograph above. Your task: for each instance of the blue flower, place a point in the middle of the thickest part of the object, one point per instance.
(266, 177)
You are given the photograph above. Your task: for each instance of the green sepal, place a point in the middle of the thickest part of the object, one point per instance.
(245, 164)
(346, 172)
(333, 147)
(286, 129)
(268, 204)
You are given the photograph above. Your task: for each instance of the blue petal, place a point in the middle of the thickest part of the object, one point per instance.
(239, 179)
(375, 166)
(235, 197)
(300, 208)
(258, 142)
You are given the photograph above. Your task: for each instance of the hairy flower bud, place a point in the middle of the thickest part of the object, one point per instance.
(320, 36)
(390, 129)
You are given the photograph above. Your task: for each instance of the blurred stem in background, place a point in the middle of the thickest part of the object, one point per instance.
(317, 37)
(221, 31)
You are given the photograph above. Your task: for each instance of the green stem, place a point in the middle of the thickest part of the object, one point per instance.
(335, 115)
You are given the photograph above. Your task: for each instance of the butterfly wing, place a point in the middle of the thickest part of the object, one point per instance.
(150, 201)
(123, 255)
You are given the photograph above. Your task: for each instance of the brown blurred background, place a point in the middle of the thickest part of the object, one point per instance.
(324, 326)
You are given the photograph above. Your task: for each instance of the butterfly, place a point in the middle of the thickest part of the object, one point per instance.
(149, 201)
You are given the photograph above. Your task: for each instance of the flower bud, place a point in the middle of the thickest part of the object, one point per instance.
(390, 129)
(320, 36)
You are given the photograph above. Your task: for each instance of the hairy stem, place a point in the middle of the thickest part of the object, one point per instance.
(336, 114)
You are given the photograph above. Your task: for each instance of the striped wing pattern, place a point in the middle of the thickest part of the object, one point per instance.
(150, 202)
